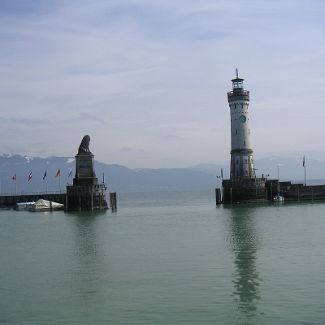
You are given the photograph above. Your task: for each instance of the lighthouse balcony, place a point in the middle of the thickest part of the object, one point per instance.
(238, 95)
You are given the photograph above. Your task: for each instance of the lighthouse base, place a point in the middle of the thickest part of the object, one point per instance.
(244, 190)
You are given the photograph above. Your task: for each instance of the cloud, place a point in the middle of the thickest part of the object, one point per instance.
(93, 118)
(13, 8)
(154, 75)
(12, 122)
(126, 149)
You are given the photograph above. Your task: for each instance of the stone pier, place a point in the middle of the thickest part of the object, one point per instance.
(86, 194)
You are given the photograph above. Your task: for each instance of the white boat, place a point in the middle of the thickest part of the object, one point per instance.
(24, 206)
(278, 198)
(45, 205)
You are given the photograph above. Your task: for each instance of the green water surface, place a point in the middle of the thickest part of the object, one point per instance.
(165, 258)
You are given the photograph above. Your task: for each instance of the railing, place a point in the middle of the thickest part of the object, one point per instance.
(238, 93)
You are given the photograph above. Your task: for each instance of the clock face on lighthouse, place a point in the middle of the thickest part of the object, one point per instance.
(242, 118)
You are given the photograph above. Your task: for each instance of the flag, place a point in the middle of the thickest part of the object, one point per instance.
(30, 175)
(70, 172)
(14, 177)
(45, 174)
(303, 162)
(58, 173)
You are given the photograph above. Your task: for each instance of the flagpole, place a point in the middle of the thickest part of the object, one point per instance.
(305, 174)
(58, 174)
(14, 178)
(304, 165)
(69, 177)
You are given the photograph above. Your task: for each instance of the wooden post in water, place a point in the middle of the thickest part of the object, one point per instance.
(92, 199)
(230, 194)
(112, 200)
(218, 196)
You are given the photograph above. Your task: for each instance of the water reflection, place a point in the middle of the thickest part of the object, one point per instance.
(87, 260)
(244, 242)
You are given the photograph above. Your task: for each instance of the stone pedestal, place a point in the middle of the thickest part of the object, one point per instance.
(85, 174)
(86, 193)
(86, 198)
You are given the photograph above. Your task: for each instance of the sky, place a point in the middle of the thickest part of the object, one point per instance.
(148, 79)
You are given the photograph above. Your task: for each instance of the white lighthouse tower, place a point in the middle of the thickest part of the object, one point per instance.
(242, 163)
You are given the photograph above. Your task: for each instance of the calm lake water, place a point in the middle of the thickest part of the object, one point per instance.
(165, 258)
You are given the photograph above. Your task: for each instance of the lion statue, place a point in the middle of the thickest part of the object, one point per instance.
(84, 146)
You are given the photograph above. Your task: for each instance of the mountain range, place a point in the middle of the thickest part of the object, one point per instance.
(15, 170)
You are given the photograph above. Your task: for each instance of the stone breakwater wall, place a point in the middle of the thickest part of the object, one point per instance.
(264, 190)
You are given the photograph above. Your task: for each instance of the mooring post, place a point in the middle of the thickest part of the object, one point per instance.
(92, 199)
(51, 206)
(112, 199)
(298, 194)
(230, 194)
(218, 196)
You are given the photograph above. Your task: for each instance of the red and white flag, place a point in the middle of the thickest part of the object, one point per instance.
(58, 173)
(30, 176)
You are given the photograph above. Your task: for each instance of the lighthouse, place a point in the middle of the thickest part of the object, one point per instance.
(243, 185)
(242, 162)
